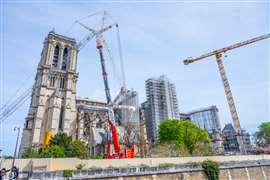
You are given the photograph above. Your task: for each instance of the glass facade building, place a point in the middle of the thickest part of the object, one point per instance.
(206, 118)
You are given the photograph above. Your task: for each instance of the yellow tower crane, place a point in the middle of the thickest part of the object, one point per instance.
(218, 54)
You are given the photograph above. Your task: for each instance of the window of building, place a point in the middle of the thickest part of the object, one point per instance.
(61, 118)
(65, 58)
(55, 56)
(52, 81)
(62, 83)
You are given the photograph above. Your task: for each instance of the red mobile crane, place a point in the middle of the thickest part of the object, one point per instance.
(118, 152)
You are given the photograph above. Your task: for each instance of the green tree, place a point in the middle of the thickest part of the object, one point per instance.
(61, 139)
(183, 133)
(76, 149)
(61, 145)
(262, 137)
(30, 153)
(71, 148)
(54, 151)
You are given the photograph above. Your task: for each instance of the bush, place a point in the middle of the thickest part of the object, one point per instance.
(76, 149)
(61, 145)
(168, 150)
(52, 151)
(67, 173)
(203, 150)
(96, 157)
(30, 153)
(211, 169)
(80, 166)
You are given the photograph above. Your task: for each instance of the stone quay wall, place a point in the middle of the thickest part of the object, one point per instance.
(250, 167)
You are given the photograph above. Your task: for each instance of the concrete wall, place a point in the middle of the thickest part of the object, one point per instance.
(250, 170)
(50, 164)
(231, 167)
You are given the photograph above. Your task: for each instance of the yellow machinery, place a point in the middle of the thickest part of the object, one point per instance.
(47, 138)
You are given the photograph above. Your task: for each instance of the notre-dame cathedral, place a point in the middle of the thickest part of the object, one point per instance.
(53, 101)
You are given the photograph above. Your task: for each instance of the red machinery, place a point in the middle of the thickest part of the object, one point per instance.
(118, 152)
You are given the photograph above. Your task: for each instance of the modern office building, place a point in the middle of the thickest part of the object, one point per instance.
(230, 142)
(161, 103)
(207, 119)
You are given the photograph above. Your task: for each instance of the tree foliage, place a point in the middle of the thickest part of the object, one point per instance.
(168, 150)
(262, 136)
(61, 145)
(30, 153)
(211, 168)
(61, 139)
(54, 151)
(184, 134)
(76, 149)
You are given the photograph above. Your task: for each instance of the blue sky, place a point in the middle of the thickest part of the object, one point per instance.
(156, 37)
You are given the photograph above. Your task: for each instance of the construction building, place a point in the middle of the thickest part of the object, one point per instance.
(161, 104)
(231, 145)
(92, 125)
(207, 119)
(53, 99)
(127, 115)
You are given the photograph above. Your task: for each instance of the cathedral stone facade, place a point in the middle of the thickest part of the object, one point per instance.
(53, 101)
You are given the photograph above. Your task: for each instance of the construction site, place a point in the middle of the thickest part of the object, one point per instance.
(114, 121)
(112, 129)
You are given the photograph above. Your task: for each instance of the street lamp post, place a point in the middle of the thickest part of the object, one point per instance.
(15, 151)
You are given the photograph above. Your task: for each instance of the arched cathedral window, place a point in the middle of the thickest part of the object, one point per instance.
(65, 59)
(55, 56)
(61, 119)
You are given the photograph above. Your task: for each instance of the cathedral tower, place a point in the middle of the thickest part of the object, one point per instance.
(53, 101)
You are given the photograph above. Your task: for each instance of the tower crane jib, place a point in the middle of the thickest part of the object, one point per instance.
(218, 54)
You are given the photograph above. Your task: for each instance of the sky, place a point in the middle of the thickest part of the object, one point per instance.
(156, 37)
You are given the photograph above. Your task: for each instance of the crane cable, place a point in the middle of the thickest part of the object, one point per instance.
(117, 77)
(15, 94)
(9, 109)
(119, 50)
(15, 105)
(121, 56)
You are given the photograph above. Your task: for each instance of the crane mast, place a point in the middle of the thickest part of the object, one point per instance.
(119, 153)
(218, 54)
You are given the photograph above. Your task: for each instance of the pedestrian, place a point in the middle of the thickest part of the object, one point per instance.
(3, 173)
